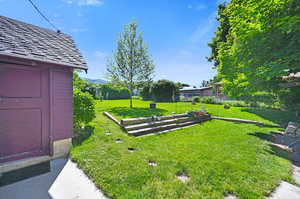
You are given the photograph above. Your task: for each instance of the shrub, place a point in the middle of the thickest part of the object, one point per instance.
(146, 93)
(235, 103)
(112, 92)
(84, 109)
(196, 99)
(209, 100)
(137, 97)
(165, 91)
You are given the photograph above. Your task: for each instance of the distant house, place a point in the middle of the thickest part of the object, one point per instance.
(214, 90)
(36, 95)
(292, 80)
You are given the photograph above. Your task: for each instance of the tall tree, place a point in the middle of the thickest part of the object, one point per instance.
(261, 44)
(131, 64)
(220, 34)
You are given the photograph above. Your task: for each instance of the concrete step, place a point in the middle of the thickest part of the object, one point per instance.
(132, 121)
(157, 129)
(149, 124)
(157, 123)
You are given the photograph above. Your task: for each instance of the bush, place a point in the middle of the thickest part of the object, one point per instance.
(196, 99)
(137, 97)
(146, 93)
(165, 91)
(112, 92)
(235, 103)
(84, 109)
(209, 100)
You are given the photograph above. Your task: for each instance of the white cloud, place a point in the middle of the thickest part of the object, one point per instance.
(90, 2)
(84, 2)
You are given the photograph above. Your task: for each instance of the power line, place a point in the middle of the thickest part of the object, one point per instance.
(38, 10)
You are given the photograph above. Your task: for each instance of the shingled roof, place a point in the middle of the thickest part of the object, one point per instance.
(35, 43)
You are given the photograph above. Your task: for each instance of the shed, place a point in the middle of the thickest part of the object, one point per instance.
(36, 94)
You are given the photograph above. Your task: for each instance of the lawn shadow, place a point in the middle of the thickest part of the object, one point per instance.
(126, 112)
(279, 146)
(275, 115)
(82, 135)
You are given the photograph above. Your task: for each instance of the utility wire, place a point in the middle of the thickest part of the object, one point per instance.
(38, 10)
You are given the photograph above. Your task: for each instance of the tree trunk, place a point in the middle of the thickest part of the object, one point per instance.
(131, 98)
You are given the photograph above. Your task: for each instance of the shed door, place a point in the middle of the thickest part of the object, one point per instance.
(24, 112)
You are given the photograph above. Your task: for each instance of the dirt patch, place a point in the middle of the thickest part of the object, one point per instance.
(183, 177)
(130, 149)
(152, 163)
(119, 140)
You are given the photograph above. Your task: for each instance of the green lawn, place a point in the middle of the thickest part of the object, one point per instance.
(219, 157)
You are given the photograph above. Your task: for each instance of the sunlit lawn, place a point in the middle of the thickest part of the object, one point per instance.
(219, 157)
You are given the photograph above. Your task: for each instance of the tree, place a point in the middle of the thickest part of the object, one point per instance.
(165, 91)
(131, 64)
(257, 42)
(220, 34)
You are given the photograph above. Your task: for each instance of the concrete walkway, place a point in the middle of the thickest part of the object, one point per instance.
(64, 181)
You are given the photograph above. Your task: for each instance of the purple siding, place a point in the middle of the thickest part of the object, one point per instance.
(62, 104)
(24, 116)
(36, 108)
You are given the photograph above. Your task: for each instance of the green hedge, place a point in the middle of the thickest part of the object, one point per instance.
(112, 92)
(84, 108)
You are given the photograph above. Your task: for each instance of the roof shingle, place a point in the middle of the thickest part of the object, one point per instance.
(36, 43)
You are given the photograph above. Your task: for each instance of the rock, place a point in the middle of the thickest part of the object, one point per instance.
(291, 128)
(297, 131)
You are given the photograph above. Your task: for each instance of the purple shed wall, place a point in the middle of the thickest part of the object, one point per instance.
(47, 91)
(62, 104)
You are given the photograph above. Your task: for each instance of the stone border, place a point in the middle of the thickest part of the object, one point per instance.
(244, 121)
(112, 118)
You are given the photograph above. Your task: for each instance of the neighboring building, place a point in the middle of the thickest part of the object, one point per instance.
(292, 80)
(36, 95)
(214, 90)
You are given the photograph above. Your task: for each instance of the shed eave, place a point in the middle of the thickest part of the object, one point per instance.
(13, 55)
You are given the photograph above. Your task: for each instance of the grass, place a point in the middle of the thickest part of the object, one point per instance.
(219, 157)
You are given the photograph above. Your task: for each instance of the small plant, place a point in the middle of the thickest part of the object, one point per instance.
(196, 99)
(137, 97)
(226, 106)
(209, 100)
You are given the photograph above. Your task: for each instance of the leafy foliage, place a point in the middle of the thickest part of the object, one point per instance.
(162, 91)
(208, 100)
(83, 103)
(111, 91)
(257, 42)
(131, 64)
(146, 92)
(196, 99)
(84, 85)
(84, 108)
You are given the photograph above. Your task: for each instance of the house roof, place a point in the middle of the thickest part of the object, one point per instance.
(195, 89)
(27, 41)
(292, 76)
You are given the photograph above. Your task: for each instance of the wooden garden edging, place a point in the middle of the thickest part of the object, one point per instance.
(112, 118)
(244, 121)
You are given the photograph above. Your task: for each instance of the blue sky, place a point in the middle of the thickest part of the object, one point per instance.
(177, 31)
